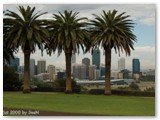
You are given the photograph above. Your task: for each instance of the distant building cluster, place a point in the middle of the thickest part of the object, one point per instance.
(38, 71)
(85, 70)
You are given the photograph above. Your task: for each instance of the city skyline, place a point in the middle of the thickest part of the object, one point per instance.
(144, 29)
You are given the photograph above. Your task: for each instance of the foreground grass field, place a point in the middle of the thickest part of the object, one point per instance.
(79, 103)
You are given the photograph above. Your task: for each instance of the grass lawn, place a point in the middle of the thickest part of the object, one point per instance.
(80, 103)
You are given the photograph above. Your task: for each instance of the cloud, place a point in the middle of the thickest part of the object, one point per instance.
(140, 13)
(145, 54)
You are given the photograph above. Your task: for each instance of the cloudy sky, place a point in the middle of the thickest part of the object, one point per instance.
(143, 16)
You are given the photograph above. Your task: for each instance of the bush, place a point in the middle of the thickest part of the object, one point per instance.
(123, 92)
(11, 80)
(151, 89)
(96, 91)
(60, 86)
(43, 87)
(133, 93)
(134, 86)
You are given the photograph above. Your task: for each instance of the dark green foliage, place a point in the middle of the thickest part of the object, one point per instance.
(134, 86)
(152, 89)
(114, 31)
(45, 87)
(40, 86)
(123, 92)
(24, 30)
(60, 86)
(68, 32)
(11, 80)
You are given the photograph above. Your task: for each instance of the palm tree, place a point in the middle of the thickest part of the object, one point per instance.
(112, 31)
(7, 52)
(68, 34)
(27, 32)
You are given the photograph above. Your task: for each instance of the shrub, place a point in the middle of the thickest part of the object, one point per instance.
(11, 80)
(123, 92)
(43, 87)
(151, 89)
(60, 86)
(134, 86)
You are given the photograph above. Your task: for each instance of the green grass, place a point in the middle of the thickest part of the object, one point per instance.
(80, 103)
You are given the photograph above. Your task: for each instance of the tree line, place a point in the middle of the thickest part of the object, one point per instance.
(68, 33)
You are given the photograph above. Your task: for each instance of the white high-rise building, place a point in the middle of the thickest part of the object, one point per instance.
(52, 72)
(32, 68)
(97, 74)
(121, 64)
(41, 66)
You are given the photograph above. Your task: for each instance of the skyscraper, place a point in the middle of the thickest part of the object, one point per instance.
(21, 72)
(52, 72)
(14, 63)
(86, 61)
(79, 71)
(103, 69)
(136, 66)
(32, 68)
(97, 74)
(92, 69)
(73, 59)
(96, 58)
(41, 66)
(121, 64)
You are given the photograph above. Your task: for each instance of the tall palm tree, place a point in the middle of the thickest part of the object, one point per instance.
(25, 31)
(68, 34)
(7, 52)
(112, 31)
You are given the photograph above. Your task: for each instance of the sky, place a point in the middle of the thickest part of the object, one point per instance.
(143, 15)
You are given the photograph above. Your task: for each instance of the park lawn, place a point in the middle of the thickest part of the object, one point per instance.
(81, 103)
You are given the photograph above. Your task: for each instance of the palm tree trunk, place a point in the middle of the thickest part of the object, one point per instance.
(68, 72)
(26, 88)
(107, 71)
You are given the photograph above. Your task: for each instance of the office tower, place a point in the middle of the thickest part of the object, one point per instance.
(52, 72)
(32, 68)
(14, 63)
(41, 66)
(96, 58)
(136, 66)
(73, 59)
(121, 64)
(97, 74)
(102, 71)
(79, 71)
(92, 69)
(21, 72)
(86, 61)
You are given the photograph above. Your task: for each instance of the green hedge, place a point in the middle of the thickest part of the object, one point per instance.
(52, 89)
(123, 92)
